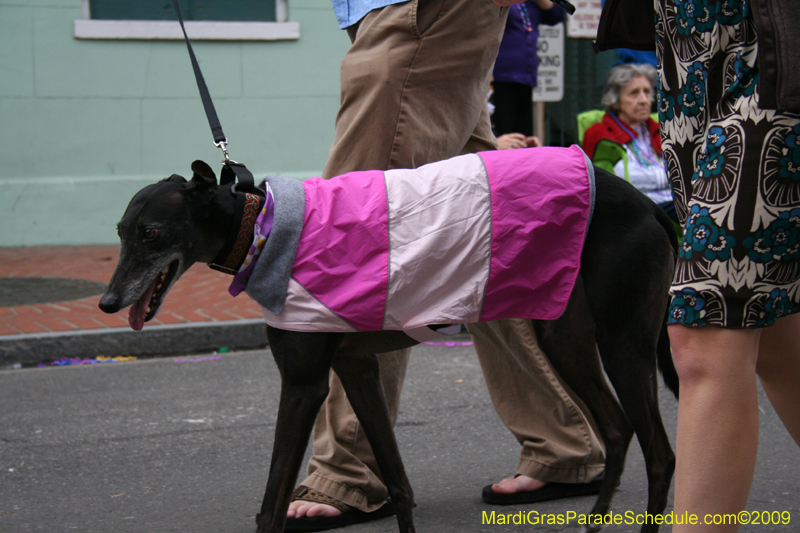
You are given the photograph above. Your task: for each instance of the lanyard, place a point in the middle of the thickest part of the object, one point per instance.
(621, 125)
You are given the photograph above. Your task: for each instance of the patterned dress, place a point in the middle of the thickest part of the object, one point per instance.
(734, 169)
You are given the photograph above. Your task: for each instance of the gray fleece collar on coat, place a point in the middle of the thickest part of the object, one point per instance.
(274, 266)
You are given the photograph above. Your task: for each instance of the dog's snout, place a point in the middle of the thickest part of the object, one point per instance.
(109, 303)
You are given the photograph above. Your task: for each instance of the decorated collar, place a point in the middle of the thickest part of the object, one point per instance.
(261, 231)
(234, 251)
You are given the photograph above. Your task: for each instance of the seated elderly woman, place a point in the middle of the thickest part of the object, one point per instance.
(626, 141)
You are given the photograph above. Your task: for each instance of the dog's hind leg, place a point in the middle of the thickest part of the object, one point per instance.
(628, 330)
(304, 362)
(570, 345)
(627, 267)
(627, 340)
(627, 345)
(634, 380)
(361, 379)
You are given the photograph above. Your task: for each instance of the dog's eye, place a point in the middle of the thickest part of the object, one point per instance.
(150, 234)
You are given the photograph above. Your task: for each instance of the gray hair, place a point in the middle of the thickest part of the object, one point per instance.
(620, 76)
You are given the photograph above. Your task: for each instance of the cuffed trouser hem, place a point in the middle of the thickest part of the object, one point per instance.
(559, 438)
(352, 496)
(549, 473)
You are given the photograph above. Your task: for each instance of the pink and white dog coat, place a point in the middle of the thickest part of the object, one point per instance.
(475, 238)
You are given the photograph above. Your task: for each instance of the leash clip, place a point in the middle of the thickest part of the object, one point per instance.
(223, 145)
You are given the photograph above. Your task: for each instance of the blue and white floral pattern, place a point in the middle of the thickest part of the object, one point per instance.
(687, 307)
(734, 168)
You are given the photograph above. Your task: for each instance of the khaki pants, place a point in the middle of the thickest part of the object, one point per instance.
(414, 87)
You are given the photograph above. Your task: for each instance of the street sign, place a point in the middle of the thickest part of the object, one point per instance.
(583, 24)
(550, 77)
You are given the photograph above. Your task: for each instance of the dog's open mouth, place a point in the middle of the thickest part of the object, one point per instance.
(147, 306)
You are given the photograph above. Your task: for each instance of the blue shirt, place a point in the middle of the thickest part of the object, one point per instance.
(348, 12)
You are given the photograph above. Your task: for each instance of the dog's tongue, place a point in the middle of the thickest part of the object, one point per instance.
(138, 310)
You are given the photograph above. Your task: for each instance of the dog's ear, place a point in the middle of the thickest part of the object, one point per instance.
(203, 175)
(175, 179)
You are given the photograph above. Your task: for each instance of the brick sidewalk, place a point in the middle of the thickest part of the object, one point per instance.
(201, 295)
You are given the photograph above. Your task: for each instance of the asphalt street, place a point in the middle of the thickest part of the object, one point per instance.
(183, 444)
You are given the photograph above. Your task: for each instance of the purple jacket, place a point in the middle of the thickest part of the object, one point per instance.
(517, 60)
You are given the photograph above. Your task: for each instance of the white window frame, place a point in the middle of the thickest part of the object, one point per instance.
(148, 30)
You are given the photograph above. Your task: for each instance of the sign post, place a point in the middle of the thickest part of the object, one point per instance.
(550, 76)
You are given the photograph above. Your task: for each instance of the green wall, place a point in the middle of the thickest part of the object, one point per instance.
(84, 124)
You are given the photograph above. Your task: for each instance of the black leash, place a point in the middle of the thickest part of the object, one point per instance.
(231, 170)
(249, 198)
(565, 5)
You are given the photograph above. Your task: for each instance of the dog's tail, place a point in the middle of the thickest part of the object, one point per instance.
(665, 363)
(664, 351)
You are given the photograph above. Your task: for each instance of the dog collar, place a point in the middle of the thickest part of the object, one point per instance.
(234, 251)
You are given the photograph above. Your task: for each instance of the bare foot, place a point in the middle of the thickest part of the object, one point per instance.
(300, 509)
(513, 485)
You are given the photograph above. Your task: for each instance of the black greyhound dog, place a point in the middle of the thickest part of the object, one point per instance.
(617, 308)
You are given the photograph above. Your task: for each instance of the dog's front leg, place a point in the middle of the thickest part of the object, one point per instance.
(361, 379)
(304, 362)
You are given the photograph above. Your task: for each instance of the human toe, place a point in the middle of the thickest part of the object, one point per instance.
(513, 485)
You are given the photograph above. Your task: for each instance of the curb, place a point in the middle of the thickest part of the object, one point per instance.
(165, 340)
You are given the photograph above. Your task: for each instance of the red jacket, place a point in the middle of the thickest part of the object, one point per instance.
(609, 129)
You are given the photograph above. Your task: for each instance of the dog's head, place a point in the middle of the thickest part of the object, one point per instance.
(167, 227)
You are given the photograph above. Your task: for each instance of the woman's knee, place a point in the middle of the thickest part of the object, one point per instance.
(685, 347)
(711, 352)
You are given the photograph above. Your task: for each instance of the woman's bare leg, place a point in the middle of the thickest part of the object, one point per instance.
(717, 421)
(779, 370)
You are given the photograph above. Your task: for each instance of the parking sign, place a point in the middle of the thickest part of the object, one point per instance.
(550, 78)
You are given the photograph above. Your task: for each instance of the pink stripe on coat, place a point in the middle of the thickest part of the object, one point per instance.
(343, 252)
(541, 200)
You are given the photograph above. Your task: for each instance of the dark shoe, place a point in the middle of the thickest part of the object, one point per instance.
(551, 491)
(348, 517)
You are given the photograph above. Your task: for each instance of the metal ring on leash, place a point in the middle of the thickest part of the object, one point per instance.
(223, 145)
